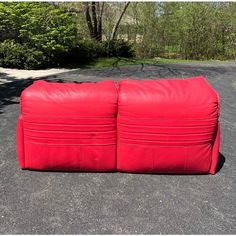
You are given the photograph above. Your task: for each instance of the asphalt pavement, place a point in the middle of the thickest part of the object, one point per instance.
(35, 202)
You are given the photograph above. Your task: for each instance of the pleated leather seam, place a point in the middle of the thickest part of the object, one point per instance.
(49, 144)
(70, 131)
(159, 118)
(60, 124)
(87, 117)
(169, 126)
(163, 134)
(91, 138)
(158, 145)
(168, 141)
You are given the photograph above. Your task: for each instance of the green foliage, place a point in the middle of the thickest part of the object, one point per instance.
(40, 29)
(187, 30)
(89, 49)
(15, 55)
(39, 34)
(84, 52)
(118, 48)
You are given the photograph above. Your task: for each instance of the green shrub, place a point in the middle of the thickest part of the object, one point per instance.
(118, 48)
(84, 52)
(33, 35)
(15, 55)
(11, 54)
(90, 49)
(39, 35)
(87, 50)
(22, 56)
(35, 59)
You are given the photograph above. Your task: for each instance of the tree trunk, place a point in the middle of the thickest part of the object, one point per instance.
(94, 19)
(99, 30)
(93, 15)
(89, 20)
(116, 26)
(95, 22)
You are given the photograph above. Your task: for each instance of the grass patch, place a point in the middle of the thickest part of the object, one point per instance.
(234, 84)
(110, 62)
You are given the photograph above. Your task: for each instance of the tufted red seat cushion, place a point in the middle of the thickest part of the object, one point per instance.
(168, 126)
(68, 126)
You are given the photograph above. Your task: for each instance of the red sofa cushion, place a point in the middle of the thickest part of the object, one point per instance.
(167, 126)
(68, 126)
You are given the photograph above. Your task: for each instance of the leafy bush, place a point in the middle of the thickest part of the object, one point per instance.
(87, 50)
(33, 35)
(39, 35)
(118, 48)
(15, 55)
(84, 52)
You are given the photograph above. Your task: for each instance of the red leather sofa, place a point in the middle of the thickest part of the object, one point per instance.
(68, 126)
(168, 126)
(140, 126)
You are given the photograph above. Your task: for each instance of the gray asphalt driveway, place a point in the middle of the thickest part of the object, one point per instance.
(87, 203)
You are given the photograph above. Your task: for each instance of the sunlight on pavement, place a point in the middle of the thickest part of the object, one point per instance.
(10, 75)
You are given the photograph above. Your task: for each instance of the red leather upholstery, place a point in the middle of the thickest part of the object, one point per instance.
(168, 126)
(68, 126)
(163, 126)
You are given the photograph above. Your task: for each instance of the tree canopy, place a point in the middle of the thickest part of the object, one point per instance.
(41, 34)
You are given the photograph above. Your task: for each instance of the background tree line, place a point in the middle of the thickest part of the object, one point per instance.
(39, 35)
(185, 29)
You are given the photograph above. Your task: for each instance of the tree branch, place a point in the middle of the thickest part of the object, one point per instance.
(68, 9)
(100, 22)
(94, 15)
(115, 28)
(88, 19)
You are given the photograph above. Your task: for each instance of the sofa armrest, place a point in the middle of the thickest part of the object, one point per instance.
(215, 151)
(20, 142)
